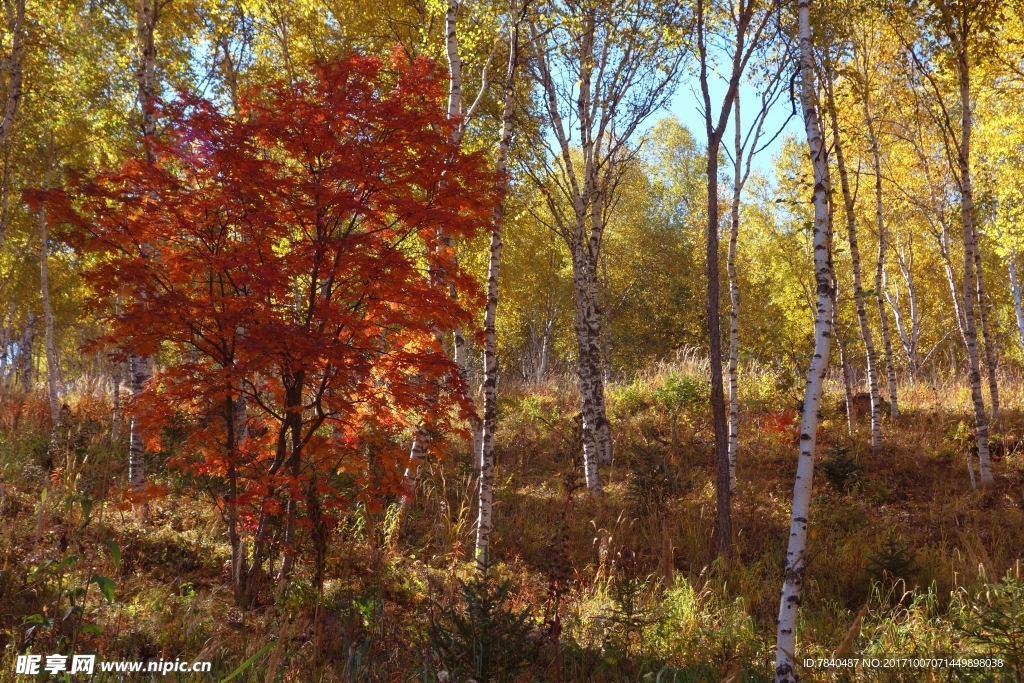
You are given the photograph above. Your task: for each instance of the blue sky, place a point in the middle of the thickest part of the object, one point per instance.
(684, 106)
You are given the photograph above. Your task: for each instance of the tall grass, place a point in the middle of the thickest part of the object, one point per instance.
(904, 557)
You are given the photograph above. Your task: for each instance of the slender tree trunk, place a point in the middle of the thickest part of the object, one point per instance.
(588, 336)
(484, 524)
(52, 373)
(602, 434)
(796, 552)
(969, 292)
(883, 246)
(723, 483)
(908, 336)
(24, 359)
(1015, 289)
(858, 290)
(849, 378)
(606, 329)
(947, 266)
(16, 22)
(989, 338)
(734, 299)
(115, 416)
(844, 366)
(141, 367)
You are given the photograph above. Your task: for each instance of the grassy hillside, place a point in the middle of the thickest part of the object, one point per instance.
(906, 559)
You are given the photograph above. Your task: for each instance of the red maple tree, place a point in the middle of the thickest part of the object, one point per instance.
(284, 263)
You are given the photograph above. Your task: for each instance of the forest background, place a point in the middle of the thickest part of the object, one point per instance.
(502, 442)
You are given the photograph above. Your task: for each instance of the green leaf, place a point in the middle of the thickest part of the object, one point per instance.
(115, 553)
(247, 663)
(105, 584)
(86, 504)
(93, 629)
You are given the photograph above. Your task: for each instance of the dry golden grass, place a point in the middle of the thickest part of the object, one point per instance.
(632, 577)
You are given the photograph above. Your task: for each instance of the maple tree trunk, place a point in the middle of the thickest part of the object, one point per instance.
(883, 246)
(858, 290)
(969, 292)
(987, 336)
(796, 552)
(723, 484)
(294, 465)
(1015, 290)
(52, 373)
(485, 520)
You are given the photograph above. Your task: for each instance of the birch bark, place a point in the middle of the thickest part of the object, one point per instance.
(858, 290)
(484, 524)
(141, 367)
(52, 373)
(883, 246)
(796, 552)
(909, 336)
(969, 291)
(16, 20)
(986, 333)
(602, 70)
(1016, 291)
(734, 300)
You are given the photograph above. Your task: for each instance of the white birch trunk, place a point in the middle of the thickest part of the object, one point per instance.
(16, 21)
(858, 290)
(908, 336)
(734, 298)
(141, 367)
(796, 552)
(987, 336)
(1015, 290)
(969, 292)
(890, 369)
(588, 330)
(485, 520)
(600, 426)
(23, 362)
(52, 373)
(947, 267)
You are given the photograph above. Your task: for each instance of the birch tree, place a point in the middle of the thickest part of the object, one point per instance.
(743, 24)
(746, 145)
(461, 115)
(796, 551)
(147, 13)
(485, 501)
(603, 67)
(954, 33)
(15, 14)
(862, 57)
(53, 382)
(849, 205)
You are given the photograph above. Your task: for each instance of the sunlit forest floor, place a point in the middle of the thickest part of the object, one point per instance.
(906, 560)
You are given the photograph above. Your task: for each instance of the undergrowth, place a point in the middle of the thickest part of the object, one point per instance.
(904, 559)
